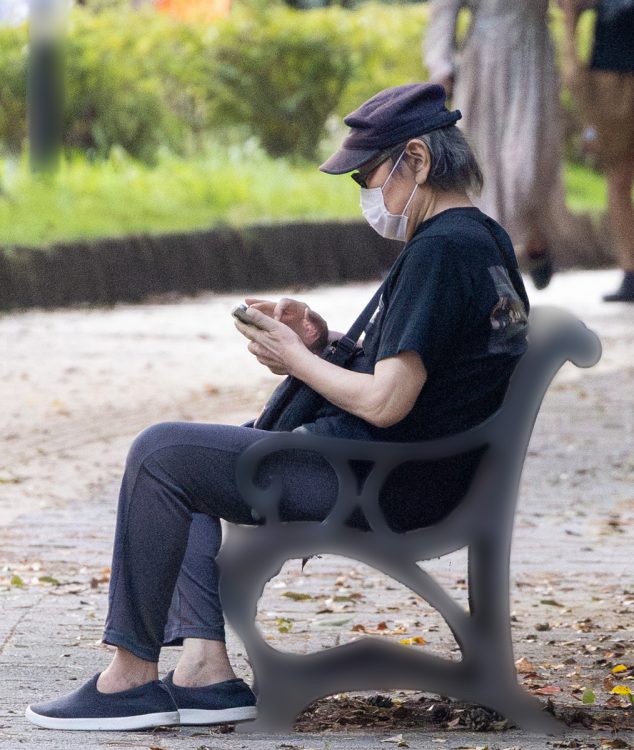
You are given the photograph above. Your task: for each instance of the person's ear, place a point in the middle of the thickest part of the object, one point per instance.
(419, 159)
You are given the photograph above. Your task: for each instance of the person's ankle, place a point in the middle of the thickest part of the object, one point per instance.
(200, 674)
(126, 672)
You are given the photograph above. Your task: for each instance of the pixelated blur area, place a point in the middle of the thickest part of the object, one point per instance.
(483, 522)
(202, 11)
(45, 81)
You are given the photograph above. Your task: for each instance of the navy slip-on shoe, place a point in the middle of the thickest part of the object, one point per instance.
(143, 707)
(228, 701)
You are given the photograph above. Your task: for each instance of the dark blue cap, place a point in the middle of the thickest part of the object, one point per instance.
(390, 117)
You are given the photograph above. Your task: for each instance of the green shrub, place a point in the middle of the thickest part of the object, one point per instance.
(282, 74)
(139, 80)
(384, 43)
(143, 80)
(13, 59)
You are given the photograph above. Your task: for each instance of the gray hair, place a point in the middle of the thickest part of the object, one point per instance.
(454, 166)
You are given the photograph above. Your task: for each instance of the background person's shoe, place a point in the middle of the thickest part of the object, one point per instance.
(143, 707)
(228, 701)
(625, 293)
(540, 269)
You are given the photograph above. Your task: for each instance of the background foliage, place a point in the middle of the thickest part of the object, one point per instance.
(142, 80)
(173, 126)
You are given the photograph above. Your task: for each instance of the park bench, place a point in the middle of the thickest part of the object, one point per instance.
(483, 522)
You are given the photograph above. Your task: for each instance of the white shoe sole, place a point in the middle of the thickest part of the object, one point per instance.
(143, 721)
(220, 716)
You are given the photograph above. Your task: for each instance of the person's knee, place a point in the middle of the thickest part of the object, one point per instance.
(151, 439)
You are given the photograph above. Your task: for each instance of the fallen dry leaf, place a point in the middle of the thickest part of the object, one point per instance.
(547, 690)
(397, 740)
(296, 596)
(524, 666)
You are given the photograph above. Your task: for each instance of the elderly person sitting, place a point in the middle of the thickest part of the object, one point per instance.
(436, 358)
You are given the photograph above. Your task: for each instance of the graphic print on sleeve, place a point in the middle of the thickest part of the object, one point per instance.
(508, 317)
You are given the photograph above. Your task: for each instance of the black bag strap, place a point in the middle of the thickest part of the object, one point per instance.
(347, 344)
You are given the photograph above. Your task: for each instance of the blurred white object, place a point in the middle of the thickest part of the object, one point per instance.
(47, 17)
(13, 12)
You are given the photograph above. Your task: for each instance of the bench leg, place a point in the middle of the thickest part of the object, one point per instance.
(527, 712)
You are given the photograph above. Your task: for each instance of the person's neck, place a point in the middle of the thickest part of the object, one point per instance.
(435, 202)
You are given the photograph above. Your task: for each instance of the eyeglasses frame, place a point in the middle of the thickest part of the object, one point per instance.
(361, 175)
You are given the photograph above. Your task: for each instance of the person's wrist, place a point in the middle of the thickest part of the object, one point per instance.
(302, 363)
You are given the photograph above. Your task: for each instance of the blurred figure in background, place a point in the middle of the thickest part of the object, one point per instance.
(604, 91)
(505, 83)
(196, 11)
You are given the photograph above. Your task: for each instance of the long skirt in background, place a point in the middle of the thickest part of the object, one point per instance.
(506, 86)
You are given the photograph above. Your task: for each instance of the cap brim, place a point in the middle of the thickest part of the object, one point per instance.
(347, 160)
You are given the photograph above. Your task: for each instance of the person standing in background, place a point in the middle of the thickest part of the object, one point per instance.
(604, 91)
(505, 83)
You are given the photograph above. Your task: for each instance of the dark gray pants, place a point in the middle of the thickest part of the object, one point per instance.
(178, 482)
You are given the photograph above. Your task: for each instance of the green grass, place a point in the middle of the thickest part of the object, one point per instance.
(585, 190)
(235, 186)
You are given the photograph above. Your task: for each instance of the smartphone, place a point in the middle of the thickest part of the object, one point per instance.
(238, 312)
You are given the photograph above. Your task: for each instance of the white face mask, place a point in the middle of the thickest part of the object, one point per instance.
(390, 226)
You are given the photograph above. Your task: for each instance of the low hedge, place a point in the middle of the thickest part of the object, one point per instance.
(142, 80)
(222, 259)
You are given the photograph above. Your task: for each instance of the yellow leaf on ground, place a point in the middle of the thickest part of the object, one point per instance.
(621, 690)
(415, 641)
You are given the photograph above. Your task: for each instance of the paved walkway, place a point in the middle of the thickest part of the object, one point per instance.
(572, 588)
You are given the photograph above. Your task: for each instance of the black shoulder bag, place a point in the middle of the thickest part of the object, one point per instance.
(293, 403)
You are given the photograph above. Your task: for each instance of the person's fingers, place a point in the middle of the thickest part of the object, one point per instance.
(260, 354)
(260, 319)
(256, 300)
(248, 331)
(268, 308)
(289, 309)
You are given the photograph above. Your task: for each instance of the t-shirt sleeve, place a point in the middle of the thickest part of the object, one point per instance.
(427, 305)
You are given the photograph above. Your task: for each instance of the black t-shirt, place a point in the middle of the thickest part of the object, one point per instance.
(614, 36)
(454, 296)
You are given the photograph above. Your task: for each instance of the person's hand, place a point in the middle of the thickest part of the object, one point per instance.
(274, 344)
(307, 324)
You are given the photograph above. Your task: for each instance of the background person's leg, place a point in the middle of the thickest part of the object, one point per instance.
(621, 213)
